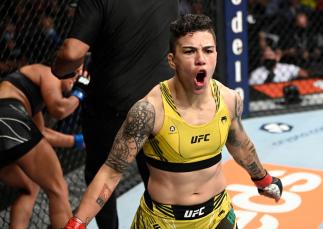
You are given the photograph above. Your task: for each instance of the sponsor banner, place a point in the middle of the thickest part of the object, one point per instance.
(301, 205)
(236, 37)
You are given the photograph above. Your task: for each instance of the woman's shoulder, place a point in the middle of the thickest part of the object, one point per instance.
(230, 97)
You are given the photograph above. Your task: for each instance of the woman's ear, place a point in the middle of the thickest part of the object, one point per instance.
(170, 58)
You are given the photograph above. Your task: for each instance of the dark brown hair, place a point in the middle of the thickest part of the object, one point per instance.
(189, 23)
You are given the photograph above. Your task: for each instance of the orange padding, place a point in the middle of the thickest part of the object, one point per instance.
(305, 86)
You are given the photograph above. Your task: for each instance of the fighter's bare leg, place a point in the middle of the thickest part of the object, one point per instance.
(42, 166)
(21, 209)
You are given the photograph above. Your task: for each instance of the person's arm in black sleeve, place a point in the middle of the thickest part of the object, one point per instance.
(86, 26)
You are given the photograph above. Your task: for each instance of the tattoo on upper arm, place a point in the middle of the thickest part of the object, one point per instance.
(104, 195)
(251, 148)
(238, 110)
(232, 135)
(132, 135)
(232, 138)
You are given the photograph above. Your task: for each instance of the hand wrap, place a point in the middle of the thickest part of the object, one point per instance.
(75, 223)
(82, 81)
(269, 186)
(79, 141)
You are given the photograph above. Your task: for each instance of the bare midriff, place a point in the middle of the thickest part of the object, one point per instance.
(185, 188)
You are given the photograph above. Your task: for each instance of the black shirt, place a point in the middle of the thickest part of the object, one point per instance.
(129, 46)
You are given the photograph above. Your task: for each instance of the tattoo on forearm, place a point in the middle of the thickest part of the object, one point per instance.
(132, 135)
(104, 195)
(250, 160)
(251, 165)
(253, 169)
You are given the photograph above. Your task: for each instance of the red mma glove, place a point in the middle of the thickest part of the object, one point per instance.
(269, 186)
(75, 223)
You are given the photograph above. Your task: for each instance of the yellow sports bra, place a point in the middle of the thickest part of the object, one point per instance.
(181, 147)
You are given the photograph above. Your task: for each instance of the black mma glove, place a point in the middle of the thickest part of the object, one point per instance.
(269, 186)
(79, 87)
(84, 79)
(81, 83)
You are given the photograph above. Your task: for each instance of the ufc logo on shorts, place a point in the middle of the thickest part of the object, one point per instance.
(194, 213)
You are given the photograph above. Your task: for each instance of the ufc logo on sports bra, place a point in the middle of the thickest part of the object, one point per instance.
(199, 138)
(194, 213)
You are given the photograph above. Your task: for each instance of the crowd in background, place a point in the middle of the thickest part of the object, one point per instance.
(31, 30)
(292, 29)
(27, 38)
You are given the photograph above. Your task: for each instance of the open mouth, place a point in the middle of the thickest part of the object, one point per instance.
(200, 76)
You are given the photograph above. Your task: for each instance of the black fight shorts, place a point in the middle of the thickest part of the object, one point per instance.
(18, 133)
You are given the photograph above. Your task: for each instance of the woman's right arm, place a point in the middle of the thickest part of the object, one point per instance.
(130, 138)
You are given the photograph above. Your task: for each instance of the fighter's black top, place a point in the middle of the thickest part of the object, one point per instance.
(31, 90)
(129, 45)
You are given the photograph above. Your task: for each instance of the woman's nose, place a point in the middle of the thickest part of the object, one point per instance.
(200, 58)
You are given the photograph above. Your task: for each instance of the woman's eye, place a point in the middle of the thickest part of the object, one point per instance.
(188, 51)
